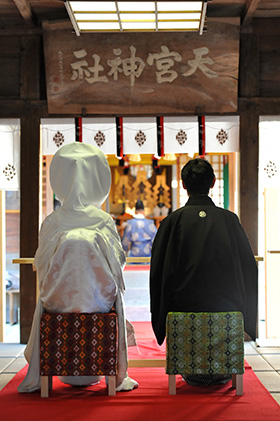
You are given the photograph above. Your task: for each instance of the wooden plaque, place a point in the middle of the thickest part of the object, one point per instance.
(163, 73)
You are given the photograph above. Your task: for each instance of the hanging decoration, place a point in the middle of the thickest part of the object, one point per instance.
(10, 154)
(78, 129)
(160, 137)
(119, 125)
(269, 152)
(101, 132)
(56, 133)
(181, 135)
(10, 172)
(140, 138)
(156, 165)
(201, 136)
(58, 139)
(125, 164)
(222, 134)
(271, 169)
(139, 135)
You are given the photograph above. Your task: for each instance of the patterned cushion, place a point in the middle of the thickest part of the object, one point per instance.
(204, 343)
(78, 344)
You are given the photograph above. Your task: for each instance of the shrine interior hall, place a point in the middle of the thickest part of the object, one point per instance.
(150, 98)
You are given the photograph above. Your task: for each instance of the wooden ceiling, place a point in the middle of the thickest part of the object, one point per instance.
(27, 15)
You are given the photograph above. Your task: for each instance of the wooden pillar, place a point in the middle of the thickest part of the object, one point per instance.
(249, 136)
(29, 219)
(249, 154)
(29, 179)
(249, 78)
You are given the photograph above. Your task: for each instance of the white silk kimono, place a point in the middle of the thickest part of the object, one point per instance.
(79, 259)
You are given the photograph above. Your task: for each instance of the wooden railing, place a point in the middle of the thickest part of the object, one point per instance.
(30, 260)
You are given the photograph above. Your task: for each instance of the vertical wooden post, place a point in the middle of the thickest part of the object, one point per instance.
(29, 179)
(29, 219)
(2, 266)
(249, 136)
(249, 157)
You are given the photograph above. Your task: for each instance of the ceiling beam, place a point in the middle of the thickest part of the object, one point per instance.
(247, 14)
(25, 10)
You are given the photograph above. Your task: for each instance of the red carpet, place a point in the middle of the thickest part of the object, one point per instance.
(149, 402)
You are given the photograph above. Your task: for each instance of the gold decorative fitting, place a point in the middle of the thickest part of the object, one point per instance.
(202, 214)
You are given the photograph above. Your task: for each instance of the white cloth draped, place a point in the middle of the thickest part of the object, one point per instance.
(55, 133)
(269, 151)
(79, 259)
(101, 132)
(181, 135)
(139, 135)
(221, 134)
(10, 154)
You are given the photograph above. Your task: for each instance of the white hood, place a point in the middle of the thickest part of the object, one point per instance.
(80, 176)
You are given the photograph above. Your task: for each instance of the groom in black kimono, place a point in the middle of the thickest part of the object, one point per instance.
(201, 258)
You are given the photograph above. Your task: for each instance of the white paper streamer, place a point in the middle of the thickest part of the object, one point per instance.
(140, 135)
(221, 134)
(55, 133)
(100, 132)
(10, 154)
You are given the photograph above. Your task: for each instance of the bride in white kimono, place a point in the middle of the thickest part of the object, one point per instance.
(80, 259)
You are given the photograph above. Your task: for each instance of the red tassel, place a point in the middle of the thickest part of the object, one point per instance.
(78, 129)
(201, 129)
(119, 123)
(160, 137)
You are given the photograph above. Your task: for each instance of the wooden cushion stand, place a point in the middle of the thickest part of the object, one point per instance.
(205, 343)
(78, 344)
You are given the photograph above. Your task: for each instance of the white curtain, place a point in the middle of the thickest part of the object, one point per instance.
(139, 135)
(101, 132)
(221, 134)
(269, 153)
(10, 154)
(181, 135)
(56, 132)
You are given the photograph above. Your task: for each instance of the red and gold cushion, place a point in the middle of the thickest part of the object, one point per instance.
(78, 344)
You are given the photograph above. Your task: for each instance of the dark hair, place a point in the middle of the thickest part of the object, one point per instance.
(139, 205)
(198, 176)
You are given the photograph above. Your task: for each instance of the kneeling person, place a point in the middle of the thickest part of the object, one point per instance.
(201, 259)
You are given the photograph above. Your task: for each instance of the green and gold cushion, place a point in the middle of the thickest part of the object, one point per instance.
(205, 343)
